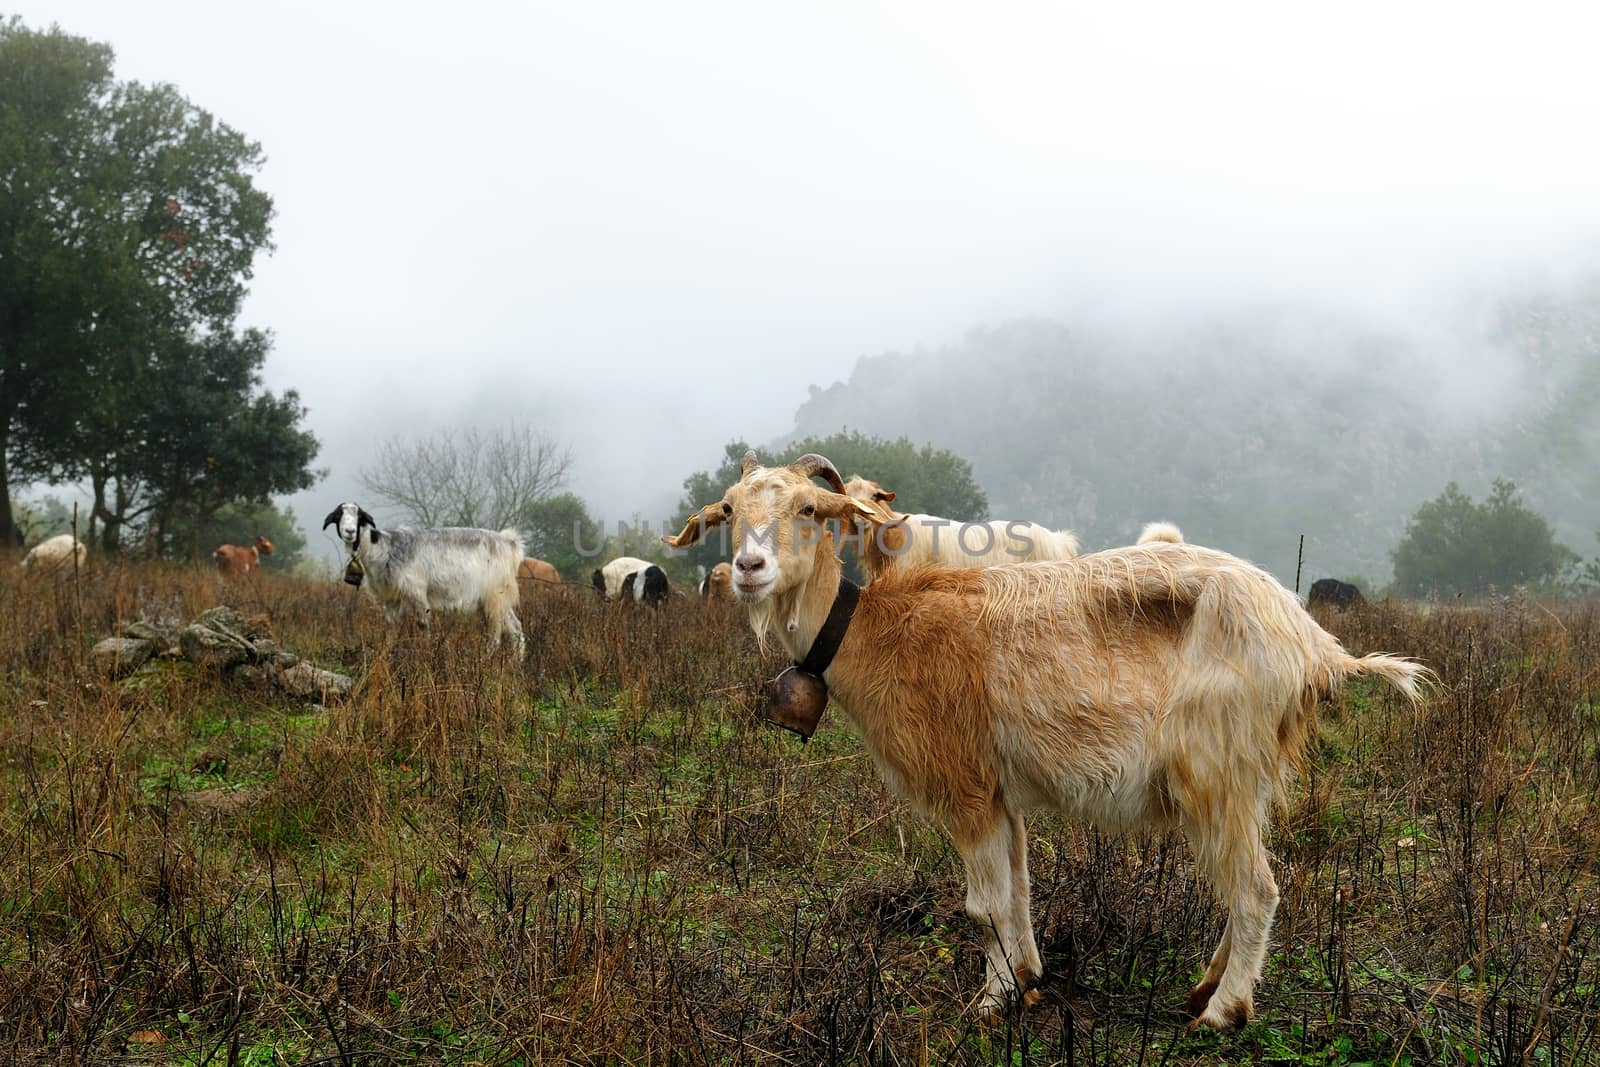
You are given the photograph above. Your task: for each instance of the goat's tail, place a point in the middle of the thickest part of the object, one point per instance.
(1160, 531)
(515, 536)
(1410, 677)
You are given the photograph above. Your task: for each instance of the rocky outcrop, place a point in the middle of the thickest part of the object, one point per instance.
(221, 639)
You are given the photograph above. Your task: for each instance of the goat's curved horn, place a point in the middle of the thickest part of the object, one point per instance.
(814, 466)
(750, 462)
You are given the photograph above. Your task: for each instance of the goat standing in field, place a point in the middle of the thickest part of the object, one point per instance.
(718, 584)
(449, 568)
(629, 579)
(538, 573)
(235, 561)
(1157, 685)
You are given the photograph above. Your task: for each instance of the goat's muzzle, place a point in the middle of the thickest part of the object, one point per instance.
(796, 701)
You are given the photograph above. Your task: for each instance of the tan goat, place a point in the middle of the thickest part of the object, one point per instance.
(234, 561)
(718, 583)
(1158, 685)
(538, 573)
(895, 539)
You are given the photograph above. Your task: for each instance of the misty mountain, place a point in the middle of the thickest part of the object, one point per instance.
(1251, 428)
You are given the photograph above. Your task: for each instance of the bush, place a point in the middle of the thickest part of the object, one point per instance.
(1455, 546)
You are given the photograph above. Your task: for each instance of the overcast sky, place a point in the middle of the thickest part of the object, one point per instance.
(649, 227)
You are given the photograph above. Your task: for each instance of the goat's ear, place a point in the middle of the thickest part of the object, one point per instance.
(333, 517)
(363, 519)
(701, 521)
(749, 462)
(892, 538)
(882, 494)
(838, 506)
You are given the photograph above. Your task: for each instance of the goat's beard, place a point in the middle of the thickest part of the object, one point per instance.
(762, 620)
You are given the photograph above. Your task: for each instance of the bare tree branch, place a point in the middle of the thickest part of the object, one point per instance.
(470, 478)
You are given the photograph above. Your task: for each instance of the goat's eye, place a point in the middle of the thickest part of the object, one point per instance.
(809, 510)
(727, 508)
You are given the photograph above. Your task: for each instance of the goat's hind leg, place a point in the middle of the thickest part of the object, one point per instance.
(1200, 995)
(1235, 862)
(514, 624)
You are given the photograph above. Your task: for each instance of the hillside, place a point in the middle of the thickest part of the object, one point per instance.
(1252, 429)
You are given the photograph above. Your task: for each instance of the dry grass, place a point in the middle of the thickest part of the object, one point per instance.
(600, 856)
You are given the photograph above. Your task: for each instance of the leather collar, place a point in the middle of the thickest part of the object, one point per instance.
(831, 636)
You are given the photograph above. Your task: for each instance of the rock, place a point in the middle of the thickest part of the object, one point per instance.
(117, 656)
(163, 638)
(307, 680)
(223, 638)
(210, 647)
(251, 627)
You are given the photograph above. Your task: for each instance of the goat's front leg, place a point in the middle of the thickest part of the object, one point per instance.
(992, 904)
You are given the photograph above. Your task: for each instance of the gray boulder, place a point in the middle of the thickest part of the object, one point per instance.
(117, 656)
(305, 679)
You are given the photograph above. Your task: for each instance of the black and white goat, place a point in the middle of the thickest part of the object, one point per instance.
(450, 568)
(627, 578)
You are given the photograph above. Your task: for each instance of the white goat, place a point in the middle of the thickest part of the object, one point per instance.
(1159, 685)
(894, 539)
(56, 552)
(450, 568)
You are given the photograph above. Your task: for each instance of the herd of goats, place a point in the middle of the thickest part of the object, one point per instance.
(1158, 685)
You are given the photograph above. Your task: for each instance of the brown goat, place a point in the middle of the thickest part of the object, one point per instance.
(537, 573)
(1159, 685)
(719, 583)
(234, 561)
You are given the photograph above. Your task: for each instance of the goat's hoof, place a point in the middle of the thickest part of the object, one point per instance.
(1223, 1020)
(1199, 997)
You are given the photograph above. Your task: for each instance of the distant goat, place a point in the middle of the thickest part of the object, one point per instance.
(893, 539)
(628, 578)
(1334, 593)
(234, 561)
(537, 573)
(55, 552)
(1159, 685)
(718, 584)
(450, 568)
